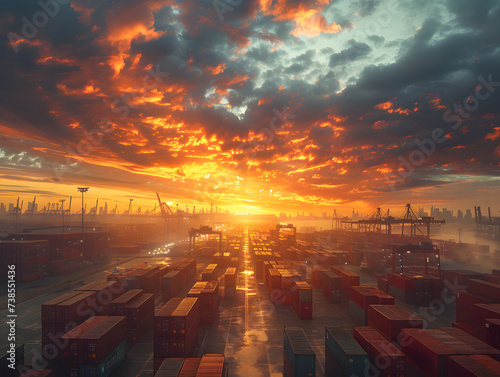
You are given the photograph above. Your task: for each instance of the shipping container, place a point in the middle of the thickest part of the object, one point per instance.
(493, 332)
(343, 355)
(209, 272)
(389, 320)
(118, 304)
(482, 312)
(485, 289)
(212, 365)
(298, 352)
(71, 353)
(302, 300)
(386, 359)
(170, 367)
(461, 277)
(108, 364)
(431, 349)
(96, 343)
(163, 318)
(140, 307)
(230, 282)
(190, 367)
(473, 366)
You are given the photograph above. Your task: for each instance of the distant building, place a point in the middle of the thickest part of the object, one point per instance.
(460, 215)
(468, 215)
(3, 210)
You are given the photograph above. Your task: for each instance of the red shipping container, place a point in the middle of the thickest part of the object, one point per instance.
(95, 344)
(389, 320)
(492, 279)
(478, 346)
(425, 351)
(481, 313)
(484, 288)
(163, 318)
(190, 368)
(402, 282)
(118, 304)
(493, 332)
(136, 330)
(473, 366)
(77, 308)
(211, 365)
(71, 353)
(139, 308)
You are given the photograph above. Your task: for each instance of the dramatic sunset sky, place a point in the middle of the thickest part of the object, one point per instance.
(266, 106)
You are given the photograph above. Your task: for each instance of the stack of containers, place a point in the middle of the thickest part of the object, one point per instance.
(170, 367)
(103, 348)
(389, 320)
(230, 282)
(429, 351)
(287, 286)
(140, 313)
(401, 287)
(106, 292)
(360, 298)
(209, 300)
(482, 314)
(315, 276)
(473, 307)
(331, 285)
(209, 273)
(299, 358)
(302, 300)
(171, 285)
(61, 312)
(176, 329)
(31, 259)
(163, 327)
(72, 352)
(212, 365)
(384, 356)
(118, 304)
(274, 285)
(382, 282)
(65, 249)
(96, 347)
(472, 366)
(348, 279)
(343, 355)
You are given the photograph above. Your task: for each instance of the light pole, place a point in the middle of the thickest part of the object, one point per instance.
(130, 211)
(62, 212)
(83, 190)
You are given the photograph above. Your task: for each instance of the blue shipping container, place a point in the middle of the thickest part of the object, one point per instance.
(299, 352)
(344, 353)
(108, 365)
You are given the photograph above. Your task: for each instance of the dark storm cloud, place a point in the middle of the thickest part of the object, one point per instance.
(355, 51)
(471, 14)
